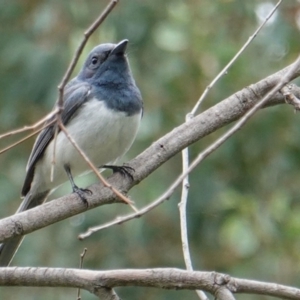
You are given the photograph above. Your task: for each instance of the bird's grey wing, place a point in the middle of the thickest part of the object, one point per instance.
(76, 93)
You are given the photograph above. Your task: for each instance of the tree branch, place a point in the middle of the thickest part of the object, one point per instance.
(144, 164)
(166, 278)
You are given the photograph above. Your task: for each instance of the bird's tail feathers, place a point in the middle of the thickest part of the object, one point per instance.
(31, 201)
(9, 248)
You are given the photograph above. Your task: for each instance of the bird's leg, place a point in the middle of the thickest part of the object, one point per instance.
(79, 191)
(123, 170)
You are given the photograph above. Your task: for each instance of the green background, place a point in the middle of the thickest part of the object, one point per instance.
(243, 210)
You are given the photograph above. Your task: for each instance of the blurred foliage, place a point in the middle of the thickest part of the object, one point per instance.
(243, 210)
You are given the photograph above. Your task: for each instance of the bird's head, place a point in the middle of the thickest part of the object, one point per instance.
(106, 63)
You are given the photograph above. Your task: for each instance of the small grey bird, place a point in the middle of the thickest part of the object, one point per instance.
(102, 112)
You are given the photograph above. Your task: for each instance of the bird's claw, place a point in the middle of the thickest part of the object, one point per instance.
(123, 170)
(82, 193)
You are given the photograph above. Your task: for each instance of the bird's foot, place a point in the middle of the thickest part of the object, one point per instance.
(123, 170)
(82, 194)
(79, 191)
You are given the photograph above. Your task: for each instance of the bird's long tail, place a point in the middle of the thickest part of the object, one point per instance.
(9, 248)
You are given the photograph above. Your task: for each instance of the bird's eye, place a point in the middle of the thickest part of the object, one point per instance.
(94, 60)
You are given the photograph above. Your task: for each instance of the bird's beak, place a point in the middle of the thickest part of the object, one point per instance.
(120, 48)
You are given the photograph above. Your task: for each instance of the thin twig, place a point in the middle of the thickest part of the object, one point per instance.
(80, 267)
(182, 213)
(64, 81)
(225, 69)
(80, 48)
(185, 155)
(295, 68)
(26, 137)
(53, 154)
(94, 169)
(59, 104)
(290, 98)
(31, 127)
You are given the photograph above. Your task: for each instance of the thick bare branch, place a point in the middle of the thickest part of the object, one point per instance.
(159, 152)
(166, 278)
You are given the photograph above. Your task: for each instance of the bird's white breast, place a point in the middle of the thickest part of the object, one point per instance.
(103, 135)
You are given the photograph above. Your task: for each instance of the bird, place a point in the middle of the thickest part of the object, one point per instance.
(102, 111)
